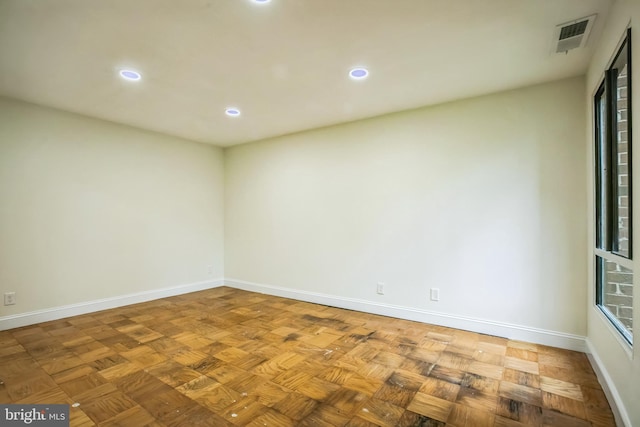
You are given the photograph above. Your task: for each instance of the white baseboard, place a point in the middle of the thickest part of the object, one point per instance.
(55, 313)
(506, 330)
(609, 388)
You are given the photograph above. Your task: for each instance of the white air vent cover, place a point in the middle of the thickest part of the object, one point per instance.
(572, 35)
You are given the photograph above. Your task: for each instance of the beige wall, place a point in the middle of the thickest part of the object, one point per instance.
(621, 365)
(91, 210)
(483, 198)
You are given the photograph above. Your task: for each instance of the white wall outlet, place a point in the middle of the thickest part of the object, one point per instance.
(210, 270)
(9, 298)
(435, 294)
(380, 288)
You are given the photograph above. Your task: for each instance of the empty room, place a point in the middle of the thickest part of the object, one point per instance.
(319, 213)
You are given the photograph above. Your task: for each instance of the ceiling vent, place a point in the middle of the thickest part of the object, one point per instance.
(572, 35)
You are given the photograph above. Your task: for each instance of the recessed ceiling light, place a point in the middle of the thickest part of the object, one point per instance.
(358, 73)
(130, 75)
(261, 1)
(232, 112)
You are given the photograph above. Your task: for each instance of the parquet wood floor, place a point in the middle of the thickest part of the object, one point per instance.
(226, 357)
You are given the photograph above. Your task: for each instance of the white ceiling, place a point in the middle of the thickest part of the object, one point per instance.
(284, 64)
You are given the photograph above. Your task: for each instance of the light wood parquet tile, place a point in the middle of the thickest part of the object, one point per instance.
(561, 388)
(479, 383)
(598, 411)
(85, 382)
(380, 412)
(441, 389)
(464, 416)
(564, 405)
(519, 411)
(325, 416)
(506, 422)
(108, 406)
(521, 378)
(431, 407)
(365, 385)
(477, 400)
(523, 354)
(520, 393)
(226, 357)
(296, 405)
(522, 365)
(132, 416)
(555, 418)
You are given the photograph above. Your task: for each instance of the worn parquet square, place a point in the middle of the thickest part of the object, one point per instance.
(226, 357)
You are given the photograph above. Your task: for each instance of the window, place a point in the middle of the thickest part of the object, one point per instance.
(614, 269)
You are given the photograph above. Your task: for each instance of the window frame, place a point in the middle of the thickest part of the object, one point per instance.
(606, 164)
(602, 170)
(622, 56)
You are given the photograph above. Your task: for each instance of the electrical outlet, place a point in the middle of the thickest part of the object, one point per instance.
(380, 288)
(210, 269)
(9, 298)
(435, 294)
